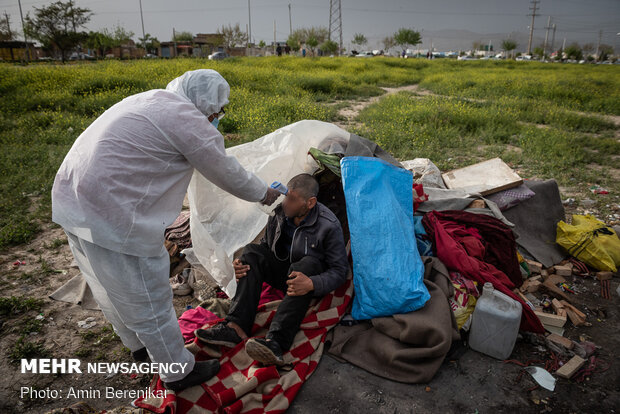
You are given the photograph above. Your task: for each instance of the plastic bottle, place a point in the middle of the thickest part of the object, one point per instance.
(270, 209)
(495, 323)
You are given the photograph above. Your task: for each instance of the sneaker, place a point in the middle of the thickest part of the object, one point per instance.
(220, 334)
(268, 352)
(141, 355)
(203, 371)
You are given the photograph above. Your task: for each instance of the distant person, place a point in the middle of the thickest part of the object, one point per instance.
(303, 52)
(122, 183)
(279, 50)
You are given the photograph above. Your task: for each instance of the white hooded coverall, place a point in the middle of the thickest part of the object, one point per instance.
(123, 182)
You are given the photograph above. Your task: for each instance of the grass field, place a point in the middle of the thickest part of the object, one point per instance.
(547, 120)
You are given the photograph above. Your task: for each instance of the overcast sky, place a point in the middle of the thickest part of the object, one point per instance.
(576, 20)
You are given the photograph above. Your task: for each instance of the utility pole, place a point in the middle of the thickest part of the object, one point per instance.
(274, 37)
(290, 21)
(553, 39)
(533, 14)
(143, 35)
(546, 37)
(72, 14)
(8, 25)
(21, 15)
(563, 46)
(174, 39)
(598, 44)
(9, 34)
(249, 25)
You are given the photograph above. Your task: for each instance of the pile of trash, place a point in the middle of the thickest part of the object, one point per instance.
(501, 242)
(476, 257)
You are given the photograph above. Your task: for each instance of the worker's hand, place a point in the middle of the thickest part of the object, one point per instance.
(241, 270)
(270, 197)
(299, 284)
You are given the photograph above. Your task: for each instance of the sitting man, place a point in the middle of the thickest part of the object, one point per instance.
(302, 254)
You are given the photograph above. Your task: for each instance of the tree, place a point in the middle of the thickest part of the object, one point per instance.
(99, 41)
(329, 47)
(539, 51)
(121, 36)
(388, 43)
(604, 51)
(5, 28)
(150, 43)
(407, 37)
(183, 37)
(302, 35)
(509, 45)
(359, 39)
(293, 42)
(588, 49)
(262, 44)
(573, 51)
(55, 26)
(312, 43)
(233, 36)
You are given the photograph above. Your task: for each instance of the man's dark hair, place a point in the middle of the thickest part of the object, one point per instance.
(305, 185)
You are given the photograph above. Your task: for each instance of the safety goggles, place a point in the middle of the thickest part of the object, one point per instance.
(221, 114)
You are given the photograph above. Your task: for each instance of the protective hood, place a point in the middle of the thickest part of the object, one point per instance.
(205, 88)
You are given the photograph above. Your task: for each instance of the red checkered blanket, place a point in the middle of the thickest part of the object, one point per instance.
(244, 385)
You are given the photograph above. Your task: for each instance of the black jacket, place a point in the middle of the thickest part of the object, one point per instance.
(319, 236)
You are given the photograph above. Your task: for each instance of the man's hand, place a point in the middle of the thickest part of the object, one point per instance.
(271, 196)
(241, 270)
(299, 284)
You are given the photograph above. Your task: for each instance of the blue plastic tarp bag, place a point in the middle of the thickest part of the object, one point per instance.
(388, 271)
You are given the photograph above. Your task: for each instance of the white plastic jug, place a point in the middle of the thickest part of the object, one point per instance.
(495, 323)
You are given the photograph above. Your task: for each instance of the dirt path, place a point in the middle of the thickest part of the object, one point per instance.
(351, 111)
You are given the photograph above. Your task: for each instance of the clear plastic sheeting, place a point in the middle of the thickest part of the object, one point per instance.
(221, 223)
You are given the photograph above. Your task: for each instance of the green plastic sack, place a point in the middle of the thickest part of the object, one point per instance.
(590, 241)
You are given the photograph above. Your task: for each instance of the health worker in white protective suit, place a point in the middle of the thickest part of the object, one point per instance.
(122, 183)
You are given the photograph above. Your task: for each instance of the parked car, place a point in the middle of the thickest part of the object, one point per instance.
(365, 54)
(218, 56)
(465, 58)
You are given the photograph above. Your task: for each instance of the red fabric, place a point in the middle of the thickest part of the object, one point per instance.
(482, 249)
(242, 384)
(193, 319)
(419, 196)
(269, 294)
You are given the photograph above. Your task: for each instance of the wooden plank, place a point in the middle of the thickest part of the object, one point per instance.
(563, 270)
(530, 286)
(558, 307)
(551, 319)
(487, 177)
(574, 309)
(550, 284)
(604, 275)
(568, 370)
(535, 267)
(558, 339)
(554, 329)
